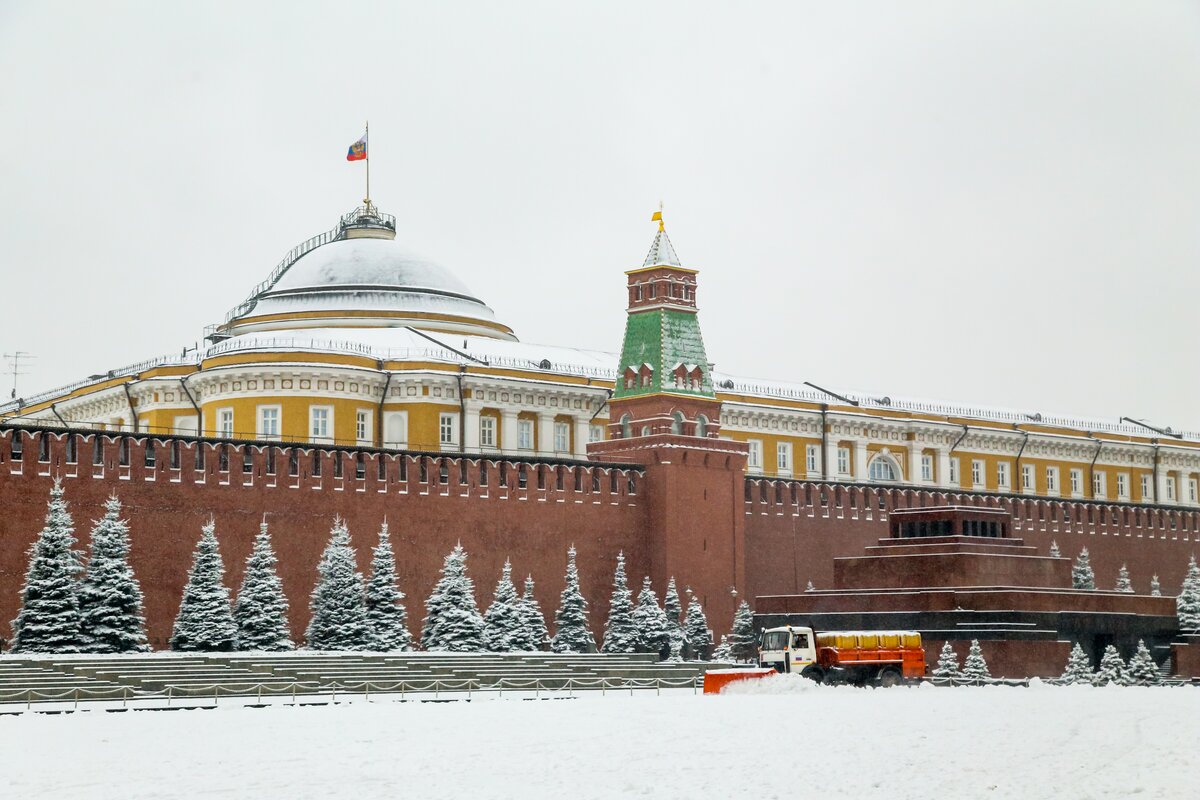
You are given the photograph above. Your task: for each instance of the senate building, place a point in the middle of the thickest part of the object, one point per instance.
(361, 379)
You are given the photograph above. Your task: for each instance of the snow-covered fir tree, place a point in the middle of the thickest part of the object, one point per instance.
(722, 652)
(809, 587)
(651, 623)
(673, 610)
(1082, 576)
(452, 619)
(261, 607)
(1142, 670)
(49, 619)
(110, 599)
(1123, 582)
(1079, 667)
(742, 643)
(947, 663)
(532, 635)
(571, 634)
(1155, 587)
(620, 631)
(1112, 669)
(1054, 551)
(975, 667)
(205, 620)
(1187, 602)
(695, 628)
(502, 621)
(338, 618)
(387, 618)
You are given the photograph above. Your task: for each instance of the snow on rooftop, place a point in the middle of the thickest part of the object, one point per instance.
(661, 252)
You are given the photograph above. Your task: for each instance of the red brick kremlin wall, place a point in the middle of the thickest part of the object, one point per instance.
(166, 507)
(794, 530)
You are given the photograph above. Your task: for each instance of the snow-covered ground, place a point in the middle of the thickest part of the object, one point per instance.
(999, 742)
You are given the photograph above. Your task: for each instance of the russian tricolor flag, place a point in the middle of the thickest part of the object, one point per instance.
(358, 150)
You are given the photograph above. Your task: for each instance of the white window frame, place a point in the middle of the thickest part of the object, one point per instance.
(783, 458)
(978, 473)
(487, 431)
(812, 459)
(1169, 486)
(1147, 489)
(322, 432)
(595, 433)
(754, 457)
(1003, 475)
(1076, 482)
(562, 437)
(1029, 478)
(926, 468)
(954, 476)
(524, 434)
(843, 455)
(1122, 485)
(1052, 487)
(1193, 490)
(225, 423)
(263, 430)
(1099, 485)
(362, 426)
(447, 428)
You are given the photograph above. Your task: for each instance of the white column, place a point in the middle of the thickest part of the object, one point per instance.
(583, 430)
(831, 459)
(942, 478)
(914, 462)
(471, 428)
(1181, 486)
(860, 461)
(509, 437)
(545, 436)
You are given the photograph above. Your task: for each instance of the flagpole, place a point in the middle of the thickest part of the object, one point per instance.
(367, 136)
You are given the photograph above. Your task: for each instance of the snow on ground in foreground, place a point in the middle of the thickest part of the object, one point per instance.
(998, 742)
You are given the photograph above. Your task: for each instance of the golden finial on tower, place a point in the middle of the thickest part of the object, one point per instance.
(658, 217)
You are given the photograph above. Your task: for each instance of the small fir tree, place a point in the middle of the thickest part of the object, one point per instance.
(742, 644)
(1082, 576)
(339, 614)
(452, 620)
(975, 667)
(810, 587)
(673, 610)
(620, 631)
(261, 608)
(1187, 603)
(1155, 587)
(1123, 582)
(571, 634)
(1054, 551)
(532, 634)
(1112, 669)
(387, 618)
(722, 652)
(49, 620)
(502, 621)
(695, 627)
(110, 599)
(651, 623)
(1079, 667)
(205, 620)
(947, 663)
(1142, 670)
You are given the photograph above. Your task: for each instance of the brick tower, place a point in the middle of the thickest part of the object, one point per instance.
(665, 415)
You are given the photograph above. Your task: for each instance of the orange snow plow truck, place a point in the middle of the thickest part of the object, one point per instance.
(862, 658)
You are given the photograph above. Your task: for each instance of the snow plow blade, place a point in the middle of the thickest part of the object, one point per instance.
(717, 679)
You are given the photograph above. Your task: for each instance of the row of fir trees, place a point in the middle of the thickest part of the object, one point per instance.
(67, 608)
(1187, 602)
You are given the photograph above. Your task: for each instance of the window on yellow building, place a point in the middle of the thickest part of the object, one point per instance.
(843, 454)
(1051, 480)
(1076, 482)
(268, 422)
(446, 426)
(927, 468)
(1099, 485)
(1002, 475)
(562, 437)
(1147, 490)
(487, 431)
(977, 479)
(954, 472)
(525, 434)
(362, 426)
(783, 457)
(1028, 479)
(812, 459)
(320, 423)
(754, 461)
(1122, 486)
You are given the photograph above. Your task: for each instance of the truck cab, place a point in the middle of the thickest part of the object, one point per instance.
(787, 649)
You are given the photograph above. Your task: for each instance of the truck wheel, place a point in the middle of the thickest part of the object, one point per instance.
(890, 677)
(814, 674)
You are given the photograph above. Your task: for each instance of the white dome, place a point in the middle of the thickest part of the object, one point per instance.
(371, 263)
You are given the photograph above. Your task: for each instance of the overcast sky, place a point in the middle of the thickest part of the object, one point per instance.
(992, 203)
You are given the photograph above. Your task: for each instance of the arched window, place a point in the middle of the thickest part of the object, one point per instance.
(702, 426)
(395, 430)
(645, 430)
(625, 432)
(882, 468)
(677, 423)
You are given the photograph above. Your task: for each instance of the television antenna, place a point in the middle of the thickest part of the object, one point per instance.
(16, 360)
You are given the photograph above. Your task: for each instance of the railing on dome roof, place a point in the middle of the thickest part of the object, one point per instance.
(363, 216)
